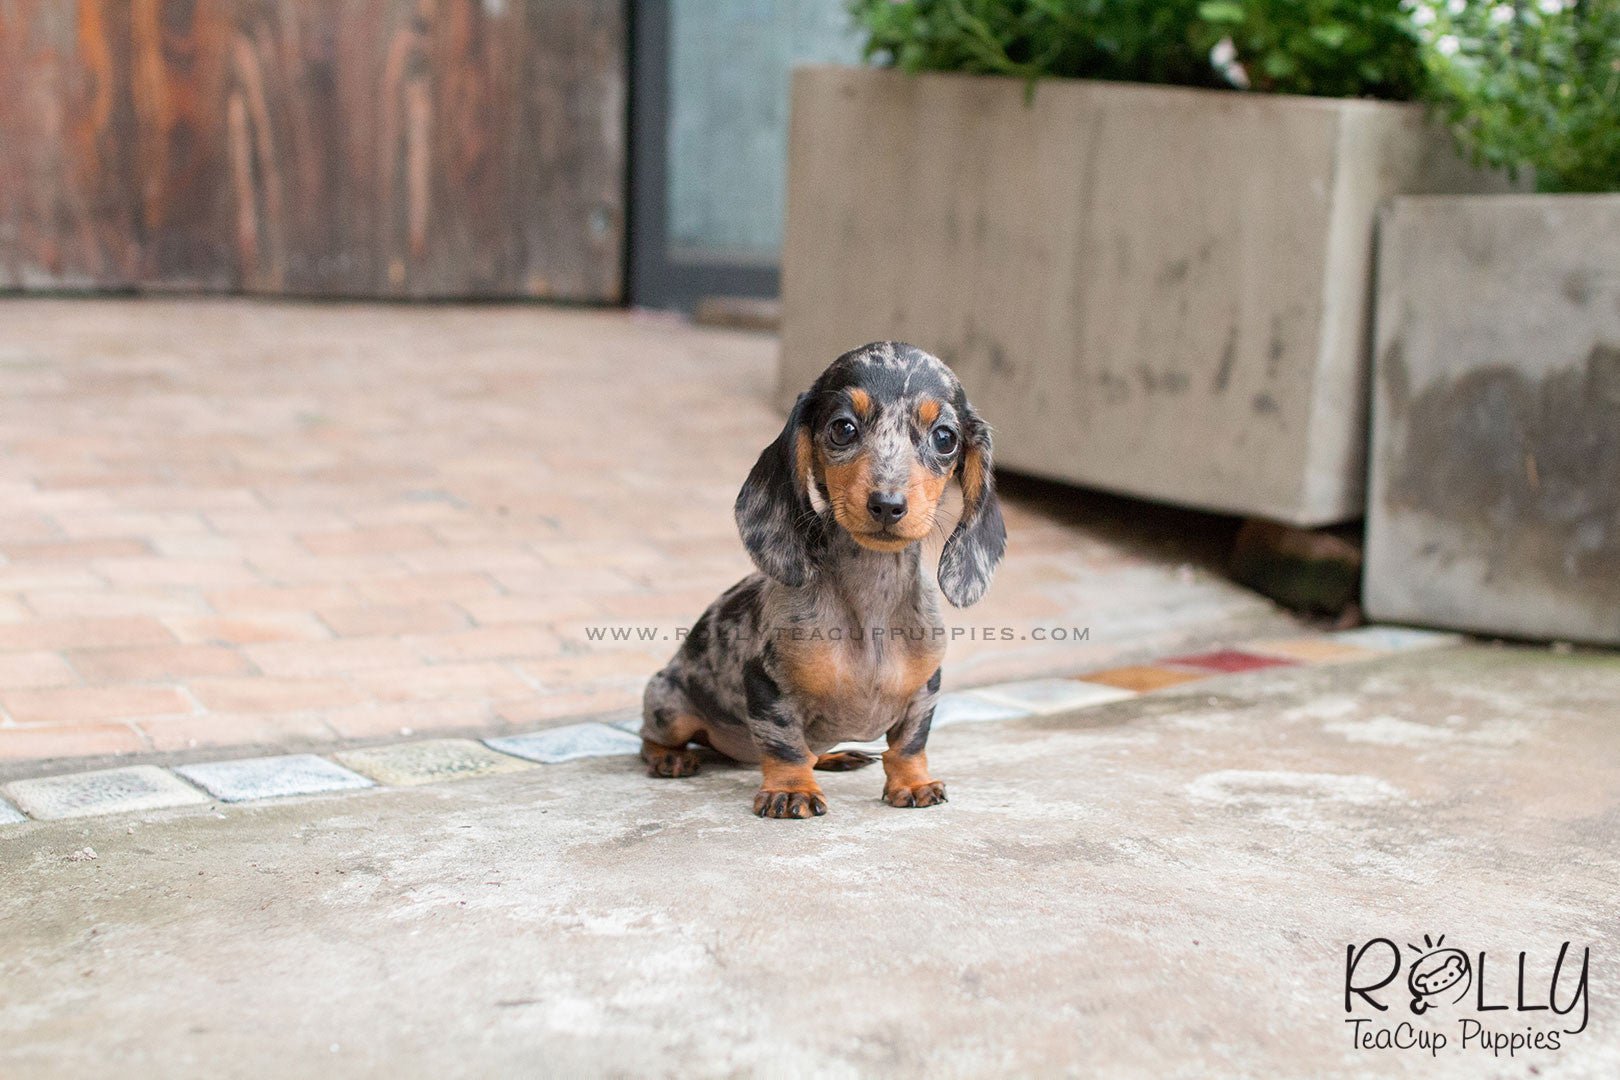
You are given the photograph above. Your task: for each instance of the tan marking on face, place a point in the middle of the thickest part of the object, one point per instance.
(923, 490)
(786, 776)
(972, 475)
(927, 413)
(803, 458)
(861, 402)
(882, 543)
(849, 485)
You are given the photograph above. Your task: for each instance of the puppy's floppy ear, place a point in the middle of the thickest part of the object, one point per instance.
(974, 550)
(781, 530)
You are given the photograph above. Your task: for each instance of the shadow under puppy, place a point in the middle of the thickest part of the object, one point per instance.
(839, 638)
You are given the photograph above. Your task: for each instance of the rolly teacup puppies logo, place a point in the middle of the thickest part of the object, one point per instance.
(1437, 971)
(1445, 978)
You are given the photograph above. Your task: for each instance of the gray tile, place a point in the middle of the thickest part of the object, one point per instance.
(109, 791)
(631, 723)
(1051, 695)
(429, 761)
(568, 743)
(10, 815)
(970, 709)
(272, 777)
(623, 719)
(1396, 638)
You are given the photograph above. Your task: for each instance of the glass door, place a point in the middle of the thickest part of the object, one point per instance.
(709, 120)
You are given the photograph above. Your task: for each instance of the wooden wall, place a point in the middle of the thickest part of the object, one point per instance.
(400, 148)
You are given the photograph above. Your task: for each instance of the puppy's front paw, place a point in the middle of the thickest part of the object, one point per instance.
(789, 804)
(920, 795)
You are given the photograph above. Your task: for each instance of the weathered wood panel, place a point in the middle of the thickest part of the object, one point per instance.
(435, 148)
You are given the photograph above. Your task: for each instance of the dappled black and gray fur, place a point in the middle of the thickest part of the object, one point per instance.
(839, 637)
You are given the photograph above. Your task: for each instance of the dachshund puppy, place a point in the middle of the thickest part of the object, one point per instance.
(839, 637)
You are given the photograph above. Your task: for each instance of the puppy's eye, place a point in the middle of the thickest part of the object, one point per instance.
(944, 441)
(842, 432)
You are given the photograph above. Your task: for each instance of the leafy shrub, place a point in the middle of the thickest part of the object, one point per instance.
(1335, 48)
(1532, 83)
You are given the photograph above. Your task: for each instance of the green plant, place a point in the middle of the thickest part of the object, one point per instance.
(1530, 84)
(1335, 48)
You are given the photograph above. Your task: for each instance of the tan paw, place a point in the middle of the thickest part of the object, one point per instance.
(789, 804)
(921, 795)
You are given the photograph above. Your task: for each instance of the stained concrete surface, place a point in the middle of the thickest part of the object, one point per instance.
(1495, 481)
(1160, 887)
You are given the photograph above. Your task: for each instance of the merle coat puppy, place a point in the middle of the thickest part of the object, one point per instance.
(838, 638)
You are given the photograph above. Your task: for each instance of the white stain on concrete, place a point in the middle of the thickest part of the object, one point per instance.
(1385, 730)
(1300, 802)
(1239, 786)
(1390, 731)
(1331, 707)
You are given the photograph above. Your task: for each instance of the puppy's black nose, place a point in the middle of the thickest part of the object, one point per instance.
(886, 509)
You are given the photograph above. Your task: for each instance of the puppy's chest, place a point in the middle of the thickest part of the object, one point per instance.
(856, 688)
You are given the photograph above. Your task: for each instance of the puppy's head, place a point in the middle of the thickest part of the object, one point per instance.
(869, 449)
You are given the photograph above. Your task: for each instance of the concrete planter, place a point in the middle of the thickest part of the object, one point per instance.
(1155, 290)
(1495, 496)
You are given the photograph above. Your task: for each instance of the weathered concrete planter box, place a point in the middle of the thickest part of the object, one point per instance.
(1495, 500)
(1151, 289)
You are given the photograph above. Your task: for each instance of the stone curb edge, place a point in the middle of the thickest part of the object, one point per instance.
(150, 787)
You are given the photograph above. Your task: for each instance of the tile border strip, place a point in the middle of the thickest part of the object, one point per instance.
(588, 737)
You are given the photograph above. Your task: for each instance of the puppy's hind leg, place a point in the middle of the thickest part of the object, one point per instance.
(669, 761)
(668, 724)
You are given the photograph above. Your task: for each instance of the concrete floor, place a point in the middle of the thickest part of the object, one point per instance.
(1164, 887)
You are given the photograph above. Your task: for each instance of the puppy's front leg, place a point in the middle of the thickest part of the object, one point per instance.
(789, 789)
(905, 763)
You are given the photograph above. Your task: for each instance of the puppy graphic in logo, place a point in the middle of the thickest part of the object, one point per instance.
(1436, 973)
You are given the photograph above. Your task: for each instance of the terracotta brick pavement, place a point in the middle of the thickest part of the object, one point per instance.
(233, 523)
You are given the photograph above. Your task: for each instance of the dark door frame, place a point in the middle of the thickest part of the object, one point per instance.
(656, 278)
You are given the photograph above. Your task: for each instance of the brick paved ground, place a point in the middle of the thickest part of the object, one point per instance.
(230, 523)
